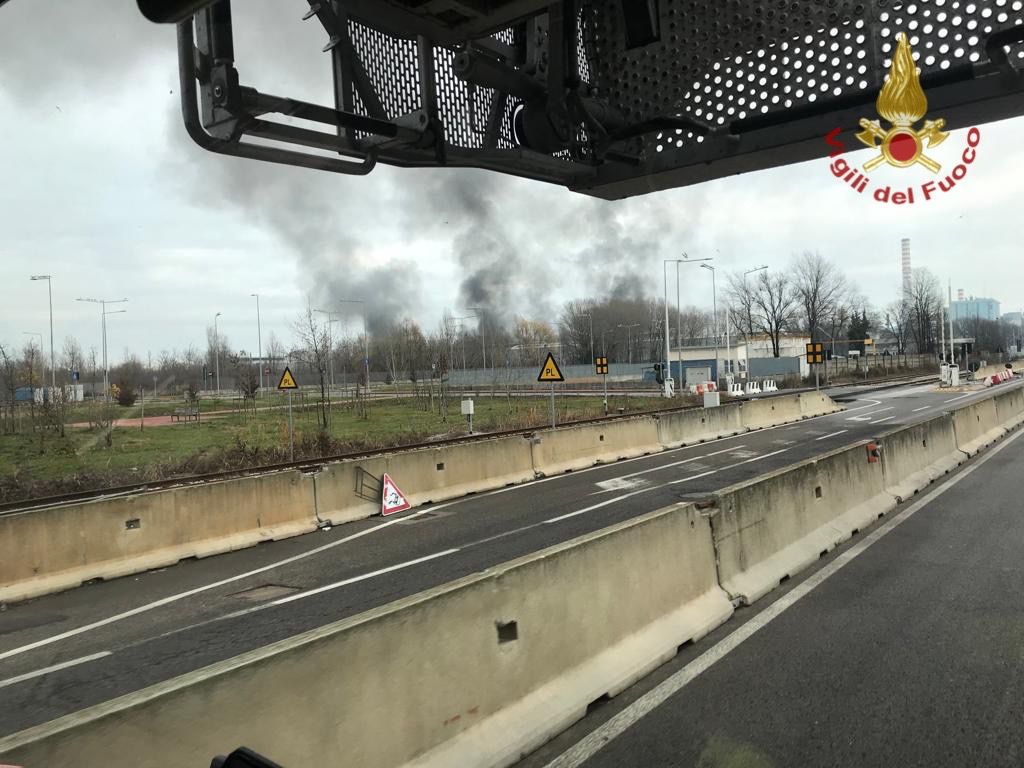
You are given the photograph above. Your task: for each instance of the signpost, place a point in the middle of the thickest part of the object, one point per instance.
(601, 367)
(550, 372)
(815, 357)
(288, 383)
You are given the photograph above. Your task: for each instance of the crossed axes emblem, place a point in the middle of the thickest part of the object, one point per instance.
(931, 132)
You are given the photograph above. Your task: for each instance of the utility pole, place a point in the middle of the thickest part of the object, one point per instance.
(366, 343)
(53, 365)
(331, 320)
(483, 340)
(216, 343)
(714, 311)
(679, 311)
(629, 349)
(103, 329)
(259, 338)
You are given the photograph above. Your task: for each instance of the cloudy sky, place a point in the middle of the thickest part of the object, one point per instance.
(103, 190)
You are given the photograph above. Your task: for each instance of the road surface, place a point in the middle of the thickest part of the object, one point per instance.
(67, 651)
(903, 647)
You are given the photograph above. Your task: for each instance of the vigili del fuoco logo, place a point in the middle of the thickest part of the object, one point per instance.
(902, 104)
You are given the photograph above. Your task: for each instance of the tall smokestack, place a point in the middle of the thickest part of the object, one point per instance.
(905, 266)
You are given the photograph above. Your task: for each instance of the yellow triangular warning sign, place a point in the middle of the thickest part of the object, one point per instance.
(550, 371)
(287, 380)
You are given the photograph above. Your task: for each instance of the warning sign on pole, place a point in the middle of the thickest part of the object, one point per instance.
(550, 370)
(393, 500)
(287, 380)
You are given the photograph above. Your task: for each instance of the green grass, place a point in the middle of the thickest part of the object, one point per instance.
(43, 457)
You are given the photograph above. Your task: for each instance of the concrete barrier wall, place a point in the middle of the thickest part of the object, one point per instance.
(569, 448)
(775, 526)
(816, 404)
(57, 548)
(445, 472)
(977, 425)
(769, 411)
(914, 456)
(1010, 407)
(698, 425)
(476, 672)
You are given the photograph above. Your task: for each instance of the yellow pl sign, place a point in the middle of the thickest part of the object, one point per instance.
(550, 370)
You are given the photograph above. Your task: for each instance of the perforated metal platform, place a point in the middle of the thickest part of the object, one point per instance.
(608, 97)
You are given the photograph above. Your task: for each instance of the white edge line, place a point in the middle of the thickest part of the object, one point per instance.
(834, 434)
(879, 421)
(317, 550)
(594, 741)
(54, 668)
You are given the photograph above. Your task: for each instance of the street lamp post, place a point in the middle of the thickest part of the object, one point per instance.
(629, 349)
(483, 340)
(216, 343)
(366, 341)
(259, 337)
(750, 321)
(331, 320)
(714, 311)
(53, 366)
(668, 349)
(103, 330)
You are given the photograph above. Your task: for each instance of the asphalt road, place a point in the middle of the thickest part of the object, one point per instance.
(903, 647)
(67, 651)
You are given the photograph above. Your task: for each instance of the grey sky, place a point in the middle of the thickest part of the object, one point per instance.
(104, 191)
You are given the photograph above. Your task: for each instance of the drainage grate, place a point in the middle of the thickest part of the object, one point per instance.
(265, 592)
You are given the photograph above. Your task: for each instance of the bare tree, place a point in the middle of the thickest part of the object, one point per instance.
(925, 301)
(9, 383)
(898, 319)
(574, 330)
(72, 357)
(818, 288)
(774, 306)
(741, 295)
(314, 350)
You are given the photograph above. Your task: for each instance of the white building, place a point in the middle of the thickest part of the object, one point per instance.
(792, 353)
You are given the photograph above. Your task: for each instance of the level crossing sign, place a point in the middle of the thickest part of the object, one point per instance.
(601, 366)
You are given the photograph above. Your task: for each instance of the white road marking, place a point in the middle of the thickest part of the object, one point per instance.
(198, 590)
(922, 408)
(959, 397)
(879, 421)
(604, 503)
(54, 668)
(594, 741)
(622, 483)
(338, 584)
(674, 463)
(833, 434)
(880, 410)
(170, 599)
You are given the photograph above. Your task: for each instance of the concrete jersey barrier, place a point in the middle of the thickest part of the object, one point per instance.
(772, 527)
(977, 425)
(51, 549)
(56, 548)
(475, 672)
(915, 456)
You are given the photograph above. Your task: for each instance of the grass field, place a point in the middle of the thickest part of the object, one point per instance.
(42, 463)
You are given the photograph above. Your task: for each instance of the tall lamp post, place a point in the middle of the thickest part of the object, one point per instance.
(53, 365)
(629, 349)
(259, 337)
(331, 320)
(668, 348)
(749, 319)
(103, 330)
(483, 341)
(714, 311)
(216, 343)
(366, 341)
